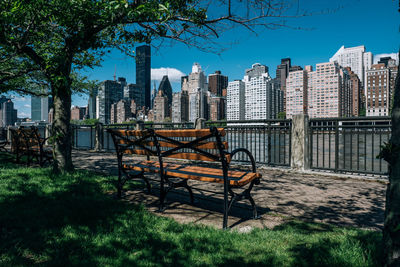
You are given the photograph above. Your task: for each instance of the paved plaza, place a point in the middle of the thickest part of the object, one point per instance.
(283, 195)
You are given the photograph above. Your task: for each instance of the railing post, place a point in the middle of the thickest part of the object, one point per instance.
(140, 125)
(300, 143)
(9, 134)
(200, 123)
(47, 133)
(98, 146)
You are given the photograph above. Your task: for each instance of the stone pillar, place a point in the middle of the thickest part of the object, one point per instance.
(47, 133)
(300, 143)
(140, 125)
(98, 145)
(9, 134)
(200, 123)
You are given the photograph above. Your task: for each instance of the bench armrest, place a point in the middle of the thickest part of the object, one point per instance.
(248, 153)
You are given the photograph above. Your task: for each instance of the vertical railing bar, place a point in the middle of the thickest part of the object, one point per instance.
(380, 145)
(351, 148)
(323, 145)
(336, 145)
(358, 149)
(372, 147)
(365, 150)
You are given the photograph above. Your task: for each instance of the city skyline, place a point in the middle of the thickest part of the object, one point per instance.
(318, 42)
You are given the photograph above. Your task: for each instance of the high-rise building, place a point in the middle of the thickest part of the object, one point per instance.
(296, 92)
(121, 111)
(166, 88)
(143, 72)
(109, 92)
(378, 89)
(135, 92)
(354, 57)
(78, 113)
(217, 83)
(282, 72)
(160, 110)
(235, 97)
(261, 95)
(196, 86)
(356, 93)
(92, 103)
(8, 115)
(217, 108)
(329, 92)
(40, 107)
(180, 107)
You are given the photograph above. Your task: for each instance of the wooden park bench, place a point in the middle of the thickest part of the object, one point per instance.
(193, 148)
(27, 141)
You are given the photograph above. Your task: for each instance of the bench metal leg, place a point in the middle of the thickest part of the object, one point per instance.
(246, 194)
(173, 185)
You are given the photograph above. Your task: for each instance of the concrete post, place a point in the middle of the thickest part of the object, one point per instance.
(200, 123)
(9, 134)
(140, 125)
(300, 143)
(47, 133)
(98, 145)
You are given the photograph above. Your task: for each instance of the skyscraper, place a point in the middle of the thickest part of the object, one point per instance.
(166, 88)
(161, 109)
(261, 94)
(8, 115)
(196, 85)
(217, 83)
(109, 92)
(379, 86)
(143, 72)
(354, 57)
(40, 107)
(235, 99)
(180, 106)
(134, 92)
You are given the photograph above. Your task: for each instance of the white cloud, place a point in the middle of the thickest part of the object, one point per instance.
(174, 75)
(23, 114)
(27, 105)
(377, 57)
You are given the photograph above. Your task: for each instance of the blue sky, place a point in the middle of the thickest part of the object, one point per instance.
(374, 24)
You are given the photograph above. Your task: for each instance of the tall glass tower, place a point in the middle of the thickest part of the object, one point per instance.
(143, 72)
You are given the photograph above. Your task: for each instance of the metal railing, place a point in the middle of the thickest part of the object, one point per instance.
(268, 140)
(349, 144)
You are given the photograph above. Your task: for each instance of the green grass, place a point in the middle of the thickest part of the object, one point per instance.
(69, 220)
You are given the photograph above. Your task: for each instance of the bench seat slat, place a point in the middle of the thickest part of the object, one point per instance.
(206, 174)
(204, 145)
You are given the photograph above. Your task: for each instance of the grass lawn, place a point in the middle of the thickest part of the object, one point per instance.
(69, 220)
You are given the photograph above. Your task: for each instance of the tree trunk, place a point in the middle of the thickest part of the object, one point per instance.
(61, 128)
(391, 230)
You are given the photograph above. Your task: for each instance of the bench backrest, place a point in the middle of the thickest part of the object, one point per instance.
(188, 144)
(24, 138)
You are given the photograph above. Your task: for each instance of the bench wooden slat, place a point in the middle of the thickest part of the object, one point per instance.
(205, 145)
(206, 174)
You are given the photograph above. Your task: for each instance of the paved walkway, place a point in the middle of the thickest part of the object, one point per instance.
(282, 195)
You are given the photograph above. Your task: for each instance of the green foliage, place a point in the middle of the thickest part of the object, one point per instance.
(281, 115)
(85, 122)
(362, 112)
(73, 220)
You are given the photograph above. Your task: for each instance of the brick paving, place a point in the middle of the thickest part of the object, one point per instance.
(283, 195)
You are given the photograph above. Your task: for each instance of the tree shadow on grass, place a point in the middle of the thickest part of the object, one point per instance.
(333, 246)
(68, 221)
